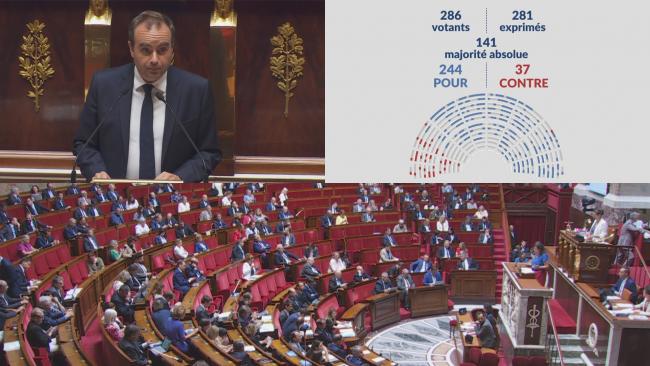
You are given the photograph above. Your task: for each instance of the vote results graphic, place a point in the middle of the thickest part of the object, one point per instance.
(487, 121)
(502, 90)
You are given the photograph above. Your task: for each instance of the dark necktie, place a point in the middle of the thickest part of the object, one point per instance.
(147, 158)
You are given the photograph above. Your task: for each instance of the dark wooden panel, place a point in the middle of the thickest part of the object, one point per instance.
(53, 127)
(262, 129)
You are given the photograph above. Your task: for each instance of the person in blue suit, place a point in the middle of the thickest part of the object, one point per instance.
(423, 264)
(180, 281)
(624, 282)
(17, 278)
(432, 276)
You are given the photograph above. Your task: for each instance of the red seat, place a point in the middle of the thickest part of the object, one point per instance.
(40, 265)
(475, 355)
(537, 361)
(157, 263)
(520, 361)
(489, 359)
(63, 254)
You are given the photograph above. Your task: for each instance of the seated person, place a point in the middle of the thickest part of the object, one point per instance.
(624, 282)
(517, 251)
(180, 281)
(124, 303)
(432, 276)
(386, 255)
(310, 270)
(355, 358)
(249, 269)
(337, 283)
(645, 304)
(485, 332)
(240, 355)
(132, 346)
(45, 239)
(35, 334)
(467, 224)
(465, 263)
(219, 337)
(25, 248)
(308, 292)
(421, 265)
(445, 251)
(282, 257)
(113, 325)
(53, 316)
(160, 314)
(336, 263)
(199, 245)
(175, 329)
(485, 237)
(389, 238)
(253, 333)
(360, 275)
(180, 252)
(192, 270)
(383, 285)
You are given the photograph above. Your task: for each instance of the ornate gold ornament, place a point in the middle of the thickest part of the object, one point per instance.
(98, 13)
(287, 61)
(592, 262)
(35, 60)
(223, 14)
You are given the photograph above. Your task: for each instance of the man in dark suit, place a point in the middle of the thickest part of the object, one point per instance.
(11, 230)
(70, 230)
(383, 285)
(404, 284)
(180, 281)
(36, 335)
(466, 263)
(17, 278)
(237, 253)
(239, 354)
(123, 303)
(310, 270)
(282, 257)
(48, 192)
(72, 190)
(485, 332)
(484, 224)
(624, 282)
(31, 225)
(337, 283)
(14, 197)
(90, 242)
(140, 139)
(389, 239)
(59, 203)
(81, 211)
(7, 302)
(34, 208)
(183, 231)
(4, 218)
(132, 346)
(445, 251)
(485, 237)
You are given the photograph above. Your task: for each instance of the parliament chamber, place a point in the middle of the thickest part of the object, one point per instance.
(307, 273)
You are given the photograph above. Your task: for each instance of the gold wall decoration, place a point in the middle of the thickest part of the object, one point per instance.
(287, 61)
(98, 13)
(223, 14)
(35, 60)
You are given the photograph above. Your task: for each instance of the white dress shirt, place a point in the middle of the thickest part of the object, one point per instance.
(247, 271)
(336, 265)
(183, 207)
(599, 228)
(141, 229)
(133, 161)
(180, 252)
(442, 226)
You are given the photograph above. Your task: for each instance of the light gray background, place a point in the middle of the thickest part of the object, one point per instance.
(382, 56)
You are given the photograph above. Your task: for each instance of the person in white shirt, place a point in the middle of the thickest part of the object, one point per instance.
(132, 203)
(481, 213)
(442, 224)
(400, 227)
(179, 251)
(283, 196)
(645, 304)
(336, 263)
(183, 205)
(471, 205)
(226, 201)
(600, 228)
(141, 228)
(205, 215)
(249, 269)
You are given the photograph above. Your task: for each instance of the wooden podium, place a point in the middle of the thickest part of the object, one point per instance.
(356, 315)
(428, 300)
(384, 309)
(585, 261)
(473, 285)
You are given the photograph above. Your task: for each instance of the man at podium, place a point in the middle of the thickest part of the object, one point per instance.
(152, 120)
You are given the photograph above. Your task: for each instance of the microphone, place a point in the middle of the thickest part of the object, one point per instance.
(161, 96)
(73, 172)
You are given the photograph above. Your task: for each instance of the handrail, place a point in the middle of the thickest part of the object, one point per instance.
(555, 336)
(645, 266)
(505, 226)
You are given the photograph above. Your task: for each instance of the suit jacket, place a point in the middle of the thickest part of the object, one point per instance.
(8, 302)
(279, 259)
(37, 337)
(326, 221)
(122, 307)
(334, 285)
(389, 239)
(486, 334)
(310, 271)
(237, 253)
(360, 277)
(88, 245)
(381, 286)
(405, 282)
(13, 199)
(481, 239)
(134, 351)
(44, 241)
(472, 264)
(311, 252)
(69, 232)
(431, 278)
(37, 209)
(180, 281)
(441, 252)
(189, 95)
(415, 266)
(18, 282)
(630, 285)
(48, 193)
(79, 213)
(59, 204)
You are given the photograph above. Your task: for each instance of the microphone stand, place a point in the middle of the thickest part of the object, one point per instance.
(161, 96)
